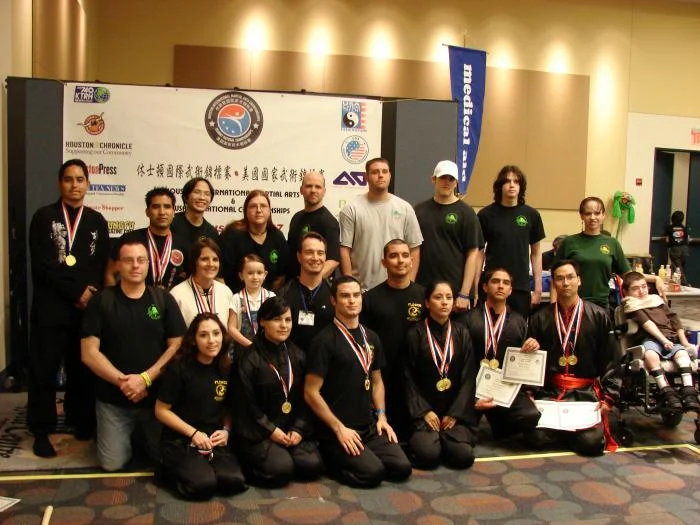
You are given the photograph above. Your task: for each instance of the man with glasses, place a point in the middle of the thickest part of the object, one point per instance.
(190, 224)
(577, 336)
(130, 332)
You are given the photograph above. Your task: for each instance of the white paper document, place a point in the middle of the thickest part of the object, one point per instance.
(489, 383)
(568, 415)
(524, 367)
(6, 503)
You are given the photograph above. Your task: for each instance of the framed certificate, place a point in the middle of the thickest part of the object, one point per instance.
(489, 383)
(526, 368)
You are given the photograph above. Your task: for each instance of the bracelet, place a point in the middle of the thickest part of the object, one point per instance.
(380, 411)
(193, 433)
(146, 379)
(464, 296)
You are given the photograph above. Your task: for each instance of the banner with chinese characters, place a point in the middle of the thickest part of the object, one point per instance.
(468, 83)
(134, 138)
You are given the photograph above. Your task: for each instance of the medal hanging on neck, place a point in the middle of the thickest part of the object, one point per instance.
(441, 356)
(248, 311)
(159, 261)
(364, 355)
(286, 388)
(71, 230)
(492, 334)
(568, 334)
(205, 302)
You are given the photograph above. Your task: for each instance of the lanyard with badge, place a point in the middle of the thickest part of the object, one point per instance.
(306, 317)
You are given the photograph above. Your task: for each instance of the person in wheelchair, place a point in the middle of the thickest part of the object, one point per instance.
(663, 338)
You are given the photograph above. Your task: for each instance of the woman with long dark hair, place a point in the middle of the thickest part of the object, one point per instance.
(196, 424)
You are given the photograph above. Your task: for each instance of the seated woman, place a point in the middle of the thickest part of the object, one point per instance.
(272, 427)
(440, 372)
(191, 407)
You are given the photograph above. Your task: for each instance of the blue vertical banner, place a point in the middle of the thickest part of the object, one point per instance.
(468, 82)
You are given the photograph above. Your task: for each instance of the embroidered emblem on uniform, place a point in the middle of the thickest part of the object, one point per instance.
(605, 249)
(58, 236)
(414, 312)
(93, 244)
(152, 312)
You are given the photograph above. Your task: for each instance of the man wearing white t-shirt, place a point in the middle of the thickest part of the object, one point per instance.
(371, 220)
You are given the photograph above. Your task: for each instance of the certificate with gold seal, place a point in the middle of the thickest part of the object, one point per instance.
(489, 383)
(527, 368)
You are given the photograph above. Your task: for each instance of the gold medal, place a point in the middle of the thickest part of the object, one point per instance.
(563, 361)
(493, 363)
(367, 383)
(485, 362)
(572, 360)
(446, 383)
(71, 260)
(440, 385)
(286, 407)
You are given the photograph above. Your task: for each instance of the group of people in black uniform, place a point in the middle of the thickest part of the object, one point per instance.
(360, 384)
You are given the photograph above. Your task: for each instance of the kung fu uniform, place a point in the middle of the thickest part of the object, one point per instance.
(449, 232)
(196, 393)
(594, 350)
(316, 301)
(522, 415)
(390, 312)
(454, 445)
(175, 271)
(235, 244)
(320, 221)
(259, 396)
(509, 231)
(55, 320)
(133, 334)
(189, 233)
(331, 358)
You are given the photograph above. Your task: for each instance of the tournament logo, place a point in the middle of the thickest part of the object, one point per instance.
(274, 256)
(354, 149)
(353, 115)
(352, 178)
(93, 124)
(451, 218)
(605, 249)
(91, 94)
(152, 312)
(521, 220)
(233, 120)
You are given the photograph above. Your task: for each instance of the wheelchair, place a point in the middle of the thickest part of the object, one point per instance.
(638, 388)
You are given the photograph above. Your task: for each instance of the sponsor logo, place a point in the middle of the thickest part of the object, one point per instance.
(605, 249)
(106, 207)
(521, 220)
(353, 115)
(451, 218)
(101, 169)
(354, 149)
(93, 124)
(352, 178)
(233, 120)
(91, 94)
(103, 189)
(117, 228)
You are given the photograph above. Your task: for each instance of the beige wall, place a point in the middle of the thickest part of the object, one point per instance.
(60, 45)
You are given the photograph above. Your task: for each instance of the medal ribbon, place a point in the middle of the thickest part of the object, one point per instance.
(287, 388)
(444, 355)
(246, 306)
(363, 354)
(159, 261)
(204, 303)
(71, 229)
(492, 332)
(566, 332)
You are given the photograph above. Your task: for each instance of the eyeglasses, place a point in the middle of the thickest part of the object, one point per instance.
(562, 278)
(133, 260)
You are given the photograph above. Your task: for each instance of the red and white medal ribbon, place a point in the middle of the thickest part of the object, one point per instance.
(71, 229)
(286, 388)
(565, 331)
(492, 332)
(364, 355)
(204, 303)
(246, 306)
(159, 261)
(444, 354)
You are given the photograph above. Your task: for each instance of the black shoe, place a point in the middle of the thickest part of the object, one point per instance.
(43, 447)
(689, 398)
(670, 399)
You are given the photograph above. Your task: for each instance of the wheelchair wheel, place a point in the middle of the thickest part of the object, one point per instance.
(627, 437)
(671, 419)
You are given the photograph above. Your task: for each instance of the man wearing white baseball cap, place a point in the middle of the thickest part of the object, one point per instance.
(451, 236)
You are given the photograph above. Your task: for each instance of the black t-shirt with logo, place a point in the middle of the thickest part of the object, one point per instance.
(509, 231)
(320, 221)
(133, 334)
(449, 232)
(189, 233)
(197, 393)
(677, 235)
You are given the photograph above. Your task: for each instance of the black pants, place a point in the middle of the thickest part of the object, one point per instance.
(379, 460)
(199, 477)
(587, 442)
(521, 416)
(454, 447)
(48, 346)
(268, 464)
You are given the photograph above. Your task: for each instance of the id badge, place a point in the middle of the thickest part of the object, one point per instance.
(306, 318)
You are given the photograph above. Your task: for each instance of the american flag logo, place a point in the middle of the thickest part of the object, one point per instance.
(355, 149)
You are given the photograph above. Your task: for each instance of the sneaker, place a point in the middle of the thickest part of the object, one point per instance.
(689, 398)
(43, 447)
(670, 399)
